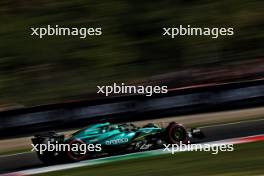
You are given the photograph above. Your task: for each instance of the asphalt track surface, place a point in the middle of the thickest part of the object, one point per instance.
(29, 160)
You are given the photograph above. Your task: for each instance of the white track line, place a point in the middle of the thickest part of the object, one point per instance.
(15, 154)
(232, 123)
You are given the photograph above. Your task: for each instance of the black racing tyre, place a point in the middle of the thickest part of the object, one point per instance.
(76, 155)
(176, 133)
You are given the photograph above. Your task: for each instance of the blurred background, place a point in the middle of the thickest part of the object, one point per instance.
(51, 83)
(131, 50)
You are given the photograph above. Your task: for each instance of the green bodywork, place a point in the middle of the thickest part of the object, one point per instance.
(108, 134)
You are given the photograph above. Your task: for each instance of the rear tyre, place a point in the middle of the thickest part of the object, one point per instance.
(176, 133)
(76, 155)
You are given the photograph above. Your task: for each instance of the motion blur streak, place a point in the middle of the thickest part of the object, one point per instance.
(50, 83)
(131, 49)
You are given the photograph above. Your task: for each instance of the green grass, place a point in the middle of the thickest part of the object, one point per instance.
(247, 159)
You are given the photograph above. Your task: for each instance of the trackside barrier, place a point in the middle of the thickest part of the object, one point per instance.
(127, 108)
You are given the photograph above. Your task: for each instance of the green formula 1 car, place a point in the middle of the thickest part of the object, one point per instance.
(104, 139)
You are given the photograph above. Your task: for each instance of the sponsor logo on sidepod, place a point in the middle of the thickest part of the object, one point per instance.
(116, 141)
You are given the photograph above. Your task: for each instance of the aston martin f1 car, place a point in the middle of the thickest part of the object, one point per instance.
(104, 139)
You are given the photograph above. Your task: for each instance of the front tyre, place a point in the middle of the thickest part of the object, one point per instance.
(176, 133)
